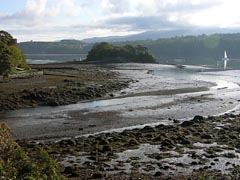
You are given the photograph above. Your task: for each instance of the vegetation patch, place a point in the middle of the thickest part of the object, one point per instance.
(15, 163)
(12, 59)
(107, 53)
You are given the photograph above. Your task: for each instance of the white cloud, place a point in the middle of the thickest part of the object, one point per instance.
(225, 15)
(59, 18)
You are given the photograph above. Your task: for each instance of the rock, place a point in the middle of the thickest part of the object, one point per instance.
(92, 125)
(30, 145)
(132, 142)
(168, 143)
(230, 155)
(148, 129)
(206, 136)
(166, 167)
(158, 138)
(106, 148)
(160, 126)
(53, 103)
(158, 173)
(198, 119)
(97, 175)
(70, 171)
(103, 142)
(227, 163)
(194, 163)
(185, 142)
(187, 123)
(176, 121)
(70, 142)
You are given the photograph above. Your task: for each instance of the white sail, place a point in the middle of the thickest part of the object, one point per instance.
(225, 60)
(225, 55)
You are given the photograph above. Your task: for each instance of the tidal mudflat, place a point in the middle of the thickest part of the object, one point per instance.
(142, 130)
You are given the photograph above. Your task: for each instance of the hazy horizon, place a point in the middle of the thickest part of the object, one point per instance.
(49, 20)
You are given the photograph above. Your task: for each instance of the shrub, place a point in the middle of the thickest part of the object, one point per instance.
(16, 164)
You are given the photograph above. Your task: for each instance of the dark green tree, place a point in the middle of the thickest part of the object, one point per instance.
(11, 57)
(7, 38)
(5, 63)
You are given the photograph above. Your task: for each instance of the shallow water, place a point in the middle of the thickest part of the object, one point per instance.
(132, 111)
(147, 155)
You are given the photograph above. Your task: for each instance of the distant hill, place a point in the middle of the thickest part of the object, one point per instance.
(67, 46)
(197, 50)
(154, 35)
(141, 36)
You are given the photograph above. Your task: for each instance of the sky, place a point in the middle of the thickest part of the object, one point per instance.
(48, 20)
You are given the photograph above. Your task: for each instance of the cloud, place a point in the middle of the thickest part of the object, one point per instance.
(154, 14)
(40, 12)
(144, 23)
(53, 19)
(33, 10)
(116, 6)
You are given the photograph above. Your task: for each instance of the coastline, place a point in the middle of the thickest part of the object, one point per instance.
(174, 147)
(61, 84)
(200, 147)
(116, 110)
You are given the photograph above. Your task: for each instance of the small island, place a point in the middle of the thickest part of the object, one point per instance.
(107, 53)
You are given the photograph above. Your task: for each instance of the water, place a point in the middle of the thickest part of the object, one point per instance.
(222, 79)
(53, 58)
(135, 111)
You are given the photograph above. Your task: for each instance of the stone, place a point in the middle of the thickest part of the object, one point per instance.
(106, 148)
(148, 129)
(198, 119)
(97, 175)
(158, 173)
(103, 142)
(167, 143)
(160, 126)
(69, 170)
(206, 136)
(185, 142)
(158, 138)
(53, 103)
(230, 155)
(133, 142)
(176, 121)
(194, 163)
(187, 123)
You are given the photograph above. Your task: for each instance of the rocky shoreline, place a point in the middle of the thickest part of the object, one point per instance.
(192, 149)
(202, 148)
(60, 85)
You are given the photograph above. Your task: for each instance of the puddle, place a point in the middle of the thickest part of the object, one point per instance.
(149, 159)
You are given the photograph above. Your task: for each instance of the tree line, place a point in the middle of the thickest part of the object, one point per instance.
(195, 49)
(202, 49)
(57, 47)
